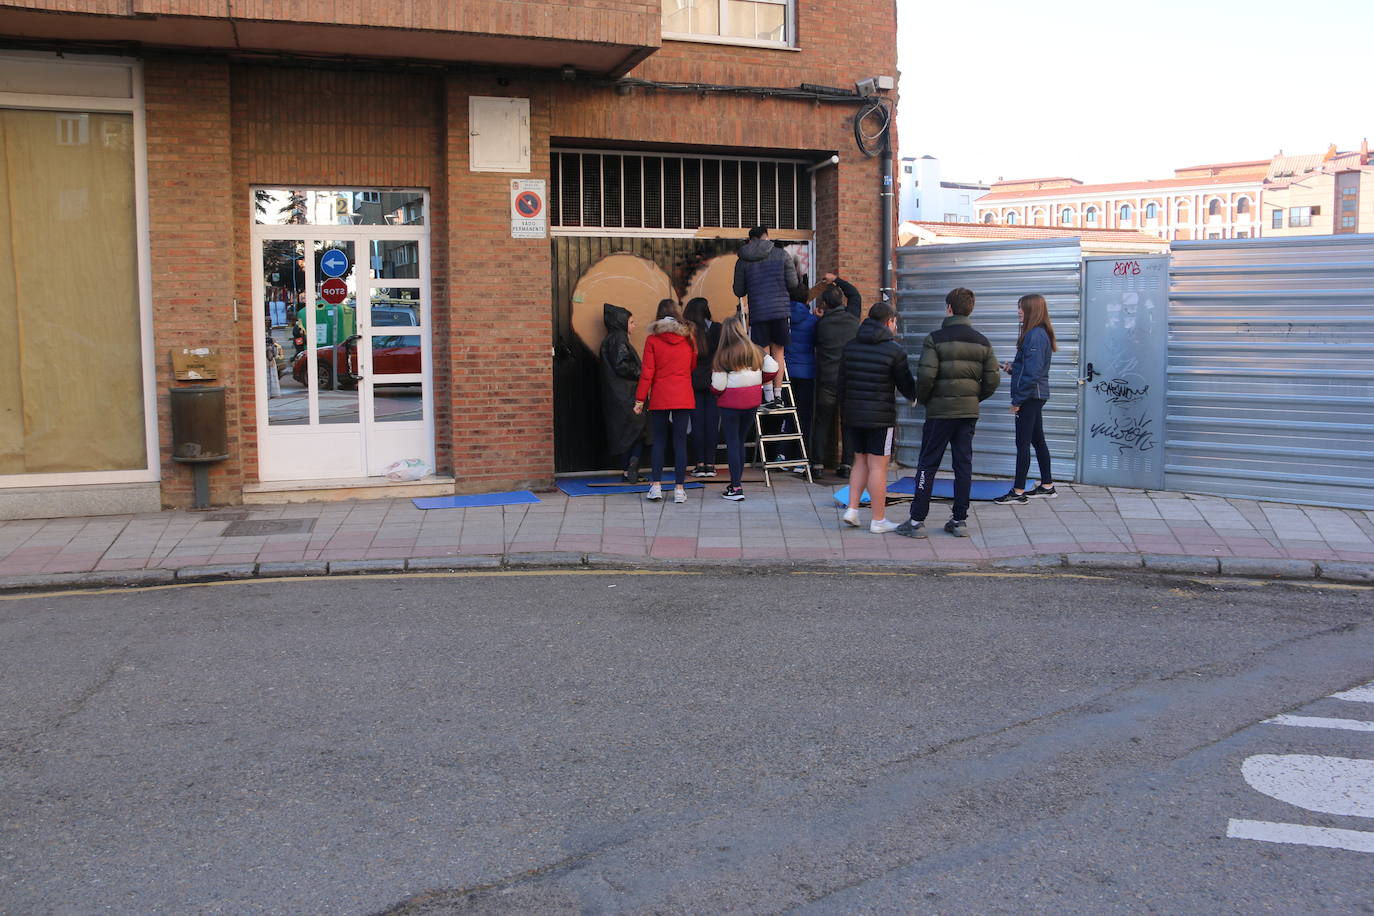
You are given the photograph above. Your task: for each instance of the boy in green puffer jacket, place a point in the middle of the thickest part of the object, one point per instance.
(958, 371)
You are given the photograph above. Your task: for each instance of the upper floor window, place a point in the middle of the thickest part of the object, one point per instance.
(1124, 214)
(1214, 207)
(1090, 216)
(1243, 205)
(1152, 211)
(1277, 219)
(1066, 216)
(1012, 218)
(747, 22)
(988, 218)
(1300, 216)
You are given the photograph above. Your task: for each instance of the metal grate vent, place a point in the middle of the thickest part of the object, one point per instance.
(268, 526)
(661, 191)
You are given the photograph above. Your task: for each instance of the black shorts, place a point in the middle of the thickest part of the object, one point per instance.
(777, 332)
(869, 440)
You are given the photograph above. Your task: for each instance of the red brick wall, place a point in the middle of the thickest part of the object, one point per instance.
(191, 224)
(216, 130)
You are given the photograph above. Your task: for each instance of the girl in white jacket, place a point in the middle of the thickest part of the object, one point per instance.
(739, 372)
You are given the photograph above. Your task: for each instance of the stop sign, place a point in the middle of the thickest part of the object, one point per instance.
(334, 291)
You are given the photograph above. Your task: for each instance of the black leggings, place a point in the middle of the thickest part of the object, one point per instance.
(737, 425)
(678, 420)
(1030, 430)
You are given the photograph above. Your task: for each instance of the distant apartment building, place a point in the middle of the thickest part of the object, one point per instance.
(1321, 194)
(1313, 194)
(924, 196)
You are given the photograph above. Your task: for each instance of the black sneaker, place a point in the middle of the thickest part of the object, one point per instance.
(957, 528)
(1011, 497)
(733, 493)
(1039, 492)
(912, 529)
(700, 471)
(625, 478)
(842, 472)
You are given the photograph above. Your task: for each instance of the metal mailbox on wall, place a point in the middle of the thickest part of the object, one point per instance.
(1125, 360)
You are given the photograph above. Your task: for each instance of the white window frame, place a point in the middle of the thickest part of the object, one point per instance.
(789, 42)
(133, 105)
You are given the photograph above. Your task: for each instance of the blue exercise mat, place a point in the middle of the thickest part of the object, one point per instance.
(610, 486)
(982, 490)
(476, 500)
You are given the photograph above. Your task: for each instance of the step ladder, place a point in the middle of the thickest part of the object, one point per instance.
(765, 441)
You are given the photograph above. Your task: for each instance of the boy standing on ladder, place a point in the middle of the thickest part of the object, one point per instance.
(766, 275)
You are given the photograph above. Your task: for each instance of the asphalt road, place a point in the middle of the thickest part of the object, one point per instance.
(688, 743)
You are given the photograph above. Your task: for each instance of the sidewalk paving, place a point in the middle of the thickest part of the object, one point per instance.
(794, 522)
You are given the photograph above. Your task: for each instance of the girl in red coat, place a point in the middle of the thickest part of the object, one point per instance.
(665, 382)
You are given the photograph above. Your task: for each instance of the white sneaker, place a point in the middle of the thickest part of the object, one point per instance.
(679, 495)
(655, 493)
(851, 517)
(882, 526)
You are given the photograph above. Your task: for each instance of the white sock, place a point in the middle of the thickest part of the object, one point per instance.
(768, 392)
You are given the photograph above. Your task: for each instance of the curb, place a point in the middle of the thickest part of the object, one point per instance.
(1249, 567)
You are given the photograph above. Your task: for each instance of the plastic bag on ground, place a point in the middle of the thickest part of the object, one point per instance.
(406, 469)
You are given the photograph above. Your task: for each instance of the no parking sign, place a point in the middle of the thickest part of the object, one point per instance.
(528, 210)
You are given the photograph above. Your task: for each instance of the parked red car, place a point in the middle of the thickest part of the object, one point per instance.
(338, 365)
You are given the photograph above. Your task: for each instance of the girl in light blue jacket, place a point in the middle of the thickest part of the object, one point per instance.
(1030, 388)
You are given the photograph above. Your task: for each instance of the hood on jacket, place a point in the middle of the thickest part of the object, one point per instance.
(871, 332)
(799, 311)
(672, 327)
(756, 249)
(615, 317)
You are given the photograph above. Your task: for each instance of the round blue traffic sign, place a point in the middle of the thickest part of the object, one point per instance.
(334, 263)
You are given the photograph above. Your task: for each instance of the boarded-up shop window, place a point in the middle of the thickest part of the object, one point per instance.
(71, 377)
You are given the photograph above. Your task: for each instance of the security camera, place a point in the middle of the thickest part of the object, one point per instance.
(873, 85)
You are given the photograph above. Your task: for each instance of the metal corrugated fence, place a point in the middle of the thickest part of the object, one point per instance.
(1271, 369)
(999, 273)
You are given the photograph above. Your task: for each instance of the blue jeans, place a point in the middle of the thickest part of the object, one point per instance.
(737, 425)
(678, 420)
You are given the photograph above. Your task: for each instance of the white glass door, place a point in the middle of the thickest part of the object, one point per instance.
(343, 365)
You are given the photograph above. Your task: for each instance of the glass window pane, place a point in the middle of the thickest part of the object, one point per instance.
(286, 324)
(71, 355)
(394, 354)
(336, 331)
(753, 19)
(400, 403)
(396, 308)
(696, 17)
(342, 207)
(395, 259)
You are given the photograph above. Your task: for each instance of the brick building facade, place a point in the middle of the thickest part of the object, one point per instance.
(239, 126)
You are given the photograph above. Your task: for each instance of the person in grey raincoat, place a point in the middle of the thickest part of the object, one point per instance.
(626, 431)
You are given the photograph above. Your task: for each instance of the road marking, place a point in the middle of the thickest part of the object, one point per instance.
(283, 580)
(1027, 575)
(1363, 694)
(1329, 785)
(1350, 725)
(1329, 837)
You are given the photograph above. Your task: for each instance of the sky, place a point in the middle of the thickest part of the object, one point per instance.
(1114, 90)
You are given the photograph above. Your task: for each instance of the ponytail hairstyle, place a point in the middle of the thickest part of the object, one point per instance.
(1037, 316)
(736, 351)
(697, 313)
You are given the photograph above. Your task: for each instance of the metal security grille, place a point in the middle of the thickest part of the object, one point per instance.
(660, 191)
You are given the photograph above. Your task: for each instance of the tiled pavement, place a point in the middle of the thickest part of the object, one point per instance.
(794, 521)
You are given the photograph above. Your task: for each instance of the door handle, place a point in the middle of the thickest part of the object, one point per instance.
(1088, 375)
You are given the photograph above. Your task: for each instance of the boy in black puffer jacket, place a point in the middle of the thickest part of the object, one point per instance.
(958, 370)
(873, 365)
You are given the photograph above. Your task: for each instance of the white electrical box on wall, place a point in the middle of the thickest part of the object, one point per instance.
(498, 134)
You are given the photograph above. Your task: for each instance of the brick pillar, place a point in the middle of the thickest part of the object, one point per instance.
(499, 328)
(191, 232)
